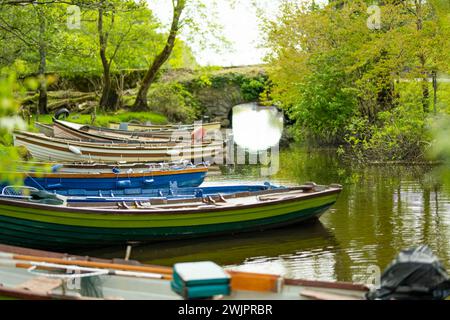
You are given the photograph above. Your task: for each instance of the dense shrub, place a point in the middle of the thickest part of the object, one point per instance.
(173, 101)
(253, 88)
(365, 89)
(397, 134)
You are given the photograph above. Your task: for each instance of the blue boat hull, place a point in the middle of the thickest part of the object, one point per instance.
(122, 186)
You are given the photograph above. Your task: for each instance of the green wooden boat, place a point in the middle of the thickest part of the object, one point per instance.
(39, 225)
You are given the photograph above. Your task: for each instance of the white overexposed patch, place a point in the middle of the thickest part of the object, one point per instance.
(256, 128)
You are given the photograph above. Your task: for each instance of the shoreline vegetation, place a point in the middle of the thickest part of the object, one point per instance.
(375, 93)
(179, 95)
(247, 84)
(372, 79)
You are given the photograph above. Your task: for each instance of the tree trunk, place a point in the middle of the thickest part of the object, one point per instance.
(425, 96)
(141, 98)
(386, 93)
(422, 59)
(43, 99)
(425, 85)
(109, 96)
(434, 76)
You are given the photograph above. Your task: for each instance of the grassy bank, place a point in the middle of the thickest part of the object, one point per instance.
(102, 120)
(181, 95)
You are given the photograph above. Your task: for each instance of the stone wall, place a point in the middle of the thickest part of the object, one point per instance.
(213, 92)
(218, 92)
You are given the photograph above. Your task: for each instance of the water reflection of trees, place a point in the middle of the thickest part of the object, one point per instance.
(284, 245)
(382, 209)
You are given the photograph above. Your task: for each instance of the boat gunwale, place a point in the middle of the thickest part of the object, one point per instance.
(121, 264)
(101, 151)
(326, 284)
(136, 145)
(124, 136)
(157, 128)
(101, 175)
(106, 138)
(15, 293)
(83, 134)
(162, 134)
(159, 211)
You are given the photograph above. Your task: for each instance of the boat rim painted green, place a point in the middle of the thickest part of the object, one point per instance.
(153, 212)
(43, 226)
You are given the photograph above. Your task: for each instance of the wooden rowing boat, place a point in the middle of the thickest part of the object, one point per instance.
(69, 130)
(102, 167)
(46, 148)
(47, 226)
(44, 129)
(115, 181)
(153, 127)
(33, 274)
(98, 197)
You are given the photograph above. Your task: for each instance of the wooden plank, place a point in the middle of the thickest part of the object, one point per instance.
(318, 295)
(254, 281)
(327, 284)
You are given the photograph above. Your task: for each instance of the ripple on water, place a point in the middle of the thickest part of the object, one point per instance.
(381, 211)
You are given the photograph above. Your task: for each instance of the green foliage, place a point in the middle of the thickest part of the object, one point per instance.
(134, 38)
(325, 105)
(253, 88)
(345, 83)
(8, 122)
(103, 120)
(203, 80)
(400, 133)
(174, 101)
(130, 37)
(440, 149)
(133, 41)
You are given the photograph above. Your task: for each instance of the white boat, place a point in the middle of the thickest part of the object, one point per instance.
(69, 130)
(45, 148)
(155, 128)
(32, 274)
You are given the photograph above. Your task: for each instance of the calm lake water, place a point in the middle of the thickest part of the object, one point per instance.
(382, 210)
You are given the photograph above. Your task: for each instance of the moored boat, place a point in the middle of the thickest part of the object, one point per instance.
(102, 167)
(415, 274)
(33, 274)
(45, 226)
(115, 181)
(69, 130)
(146, 127)
(128, 196)
(46, 148)
(44, 129)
